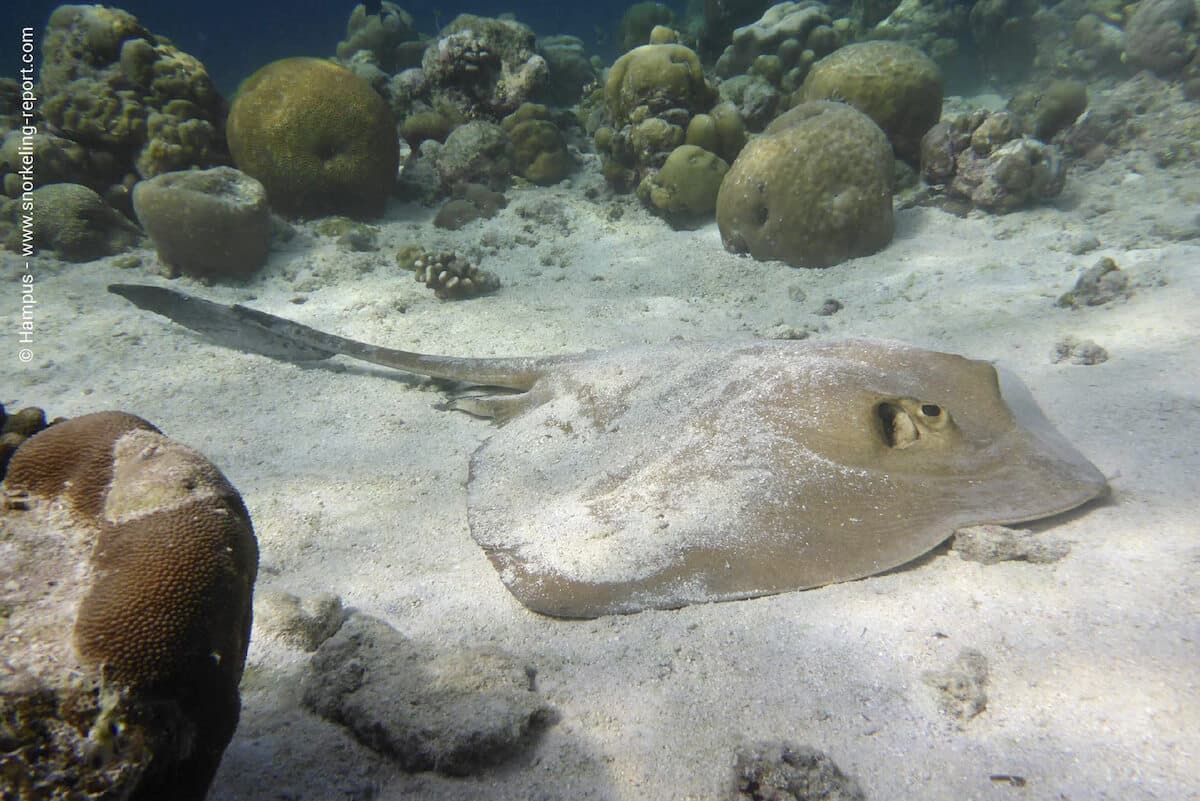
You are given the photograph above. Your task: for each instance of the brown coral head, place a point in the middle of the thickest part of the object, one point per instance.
(163, 558)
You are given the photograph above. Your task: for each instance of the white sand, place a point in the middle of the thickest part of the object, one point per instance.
(356, 484)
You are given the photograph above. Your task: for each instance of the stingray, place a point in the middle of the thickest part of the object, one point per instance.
(664, 475)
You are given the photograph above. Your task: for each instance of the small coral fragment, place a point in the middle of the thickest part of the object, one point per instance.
(452, 276)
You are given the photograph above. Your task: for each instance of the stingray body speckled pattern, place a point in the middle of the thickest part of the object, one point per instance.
(659, 476)
(662, 476)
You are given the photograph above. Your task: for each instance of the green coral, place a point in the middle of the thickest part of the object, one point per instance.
(655, 136)
(684, 191)
(539, 150)
(317, 136)
(111, 84)
(654, 78)
(896, 85)
(75, 222)
(731, 130)
(1053, 109)
(422, 125)
(813, 190)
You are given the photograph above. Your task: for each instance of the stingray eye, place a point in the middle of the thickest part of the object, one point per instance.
(931, 410)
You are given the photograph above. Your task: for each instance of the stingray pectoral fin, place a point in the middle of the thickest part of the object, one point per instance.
(1084, 481)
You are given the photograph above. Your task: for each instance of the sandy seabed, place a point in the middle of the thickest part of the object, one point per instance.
(356, 484)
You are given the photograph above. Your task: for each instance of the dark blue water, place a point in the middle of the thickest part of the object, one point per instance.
(235, 38)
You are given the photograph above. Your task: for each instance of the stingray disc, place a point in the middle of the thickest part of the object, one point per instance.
(656, 477)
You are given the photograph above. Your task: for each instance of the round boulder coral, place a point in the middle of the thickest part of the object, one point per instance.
(896, 85)
(478, 152)
(654, 78)
(129, 563)
(685, 190)
(78, 225)
(317, 136)
(539, 151)
(813, 190)
(208, 223)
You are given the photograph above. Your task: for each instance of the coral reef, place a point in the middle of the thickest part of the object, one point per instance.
(940, 29)
(1052, 109)
(651, 94)
(110, 84)
(569, 67)
(479, 152)
(685, 190)
(15, 428)
(318, 138)
(60, 160)
(127, 572)
(1162, 35)
(897, 86)
(720, 19)
(540, 153)
(638, 21)
(75, 223)
(424, 125)
(981, 160)
(1002, 34)
(814, 190)
(456, 713)
(655, 78)
(206, 223)
(449, 275)
(388, 39)
(794, 34)
(756, 99)
(484, 68)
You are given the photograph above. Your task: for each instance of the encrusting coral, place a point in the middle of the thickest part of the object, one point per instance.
(127, 564)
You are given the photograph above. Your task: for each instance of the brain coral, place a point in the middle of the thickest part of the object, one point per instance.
(129, 563)
(317, 136)
(813, 190)
(897, 86)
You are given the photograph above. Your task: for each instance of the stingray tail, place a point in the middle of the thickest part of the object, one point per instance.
(252, 331)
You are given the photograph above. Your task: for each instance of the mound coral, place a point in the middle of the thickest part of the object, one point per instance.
(207, 223)
(539, 151)
(654, 78)
(78, 225)
(129, 563)
(684, 191)
(813, 190)
(896, 85)
(318, 137)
